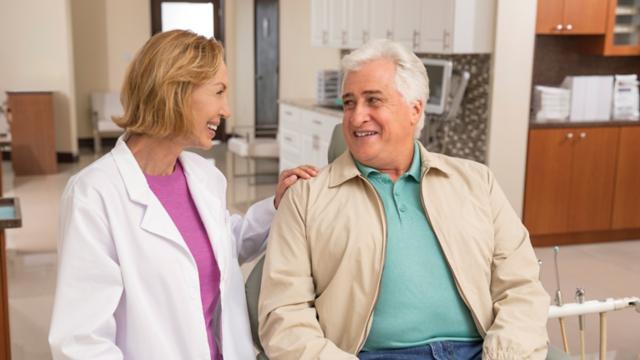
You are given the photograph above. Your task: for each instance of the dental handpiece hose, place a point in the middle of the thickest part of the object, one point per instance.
(558, 300)
(580, 300)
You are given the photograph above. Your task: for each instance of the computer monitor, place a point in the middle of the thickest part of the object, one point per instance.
(439, 72)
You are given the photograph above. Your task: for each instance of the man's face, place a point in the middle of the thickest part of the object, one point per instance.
(378, 124)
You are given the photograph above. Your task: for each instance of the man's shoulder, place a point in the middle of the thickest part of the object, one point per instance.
(458, 166)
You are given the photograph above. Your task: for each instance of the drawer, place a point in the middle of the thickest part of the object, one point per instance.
(321, 125)
(291, 118)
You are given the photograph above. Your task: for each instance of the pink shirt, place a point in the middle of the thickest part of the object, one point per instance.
(173, 193)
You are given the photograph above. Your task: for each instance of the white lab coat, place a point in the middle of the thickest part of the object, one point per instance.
(128, 286)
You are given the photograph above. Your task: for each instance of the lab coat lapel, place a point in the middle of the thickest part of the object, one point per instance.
(210, 209)
(155, 220)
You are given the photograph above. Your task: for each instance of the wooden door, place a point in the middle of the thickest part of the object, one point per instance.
(626, 203)
(593, 177)
(548, 181)
(550, 17)
(584, 17)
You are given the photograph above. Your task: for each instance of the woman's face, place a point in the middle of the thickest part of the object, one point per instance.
(209, 105)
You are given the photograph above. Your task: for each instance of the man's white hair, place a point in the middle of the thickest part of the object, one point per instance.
(411, 76)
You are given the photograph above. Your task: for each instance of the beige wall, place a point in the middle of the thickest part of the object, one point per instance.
(90, 57)
(37, 55)
(511, 91)
(299, 61)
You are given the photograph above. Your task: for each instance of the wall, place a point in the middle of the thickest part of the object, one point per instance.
(560, 56)
(90, 57)
(37, 55)
(510, 95)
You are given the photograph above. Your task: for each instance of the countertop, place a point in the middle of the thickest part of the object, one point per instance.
(579, 124)
(312, 105)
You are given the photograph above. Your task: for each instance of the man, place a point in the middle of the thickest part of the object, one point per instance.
(393, 252)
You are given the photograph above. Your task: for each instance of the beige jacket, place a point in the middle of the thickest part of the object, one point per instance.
(326, 252)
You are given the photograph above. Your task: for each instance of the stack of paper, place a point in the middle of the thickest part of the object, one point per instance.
(551, 103)
(591, 97)
(626, 101)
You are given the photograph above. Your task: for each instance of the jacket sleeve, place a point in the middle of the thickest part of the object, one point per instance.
(251, 230)
(289, 328)
(89, 286)
(520, 303)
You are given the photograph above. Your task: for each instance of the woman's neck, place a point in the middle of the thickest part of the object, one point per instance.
(155, 156)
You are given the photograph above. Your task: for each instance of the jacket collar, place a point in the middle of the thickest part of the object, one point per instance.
(344, 167)
(155, 219)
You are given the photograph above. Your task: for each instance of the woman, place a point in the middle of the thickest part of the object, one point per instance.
(148, 253)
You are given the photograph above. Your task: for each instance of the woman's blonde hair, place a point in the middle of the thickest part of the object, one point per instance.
(156, 94)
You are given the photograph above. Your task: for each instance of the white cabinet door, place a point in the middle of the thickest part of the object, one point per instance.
(358, 13)
(319, 22)
(436, 26)
(338, 23)
(406, 22)
(381, 19)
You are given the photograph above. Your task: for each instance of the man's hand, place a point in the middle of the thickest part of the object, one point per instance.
(289, 177)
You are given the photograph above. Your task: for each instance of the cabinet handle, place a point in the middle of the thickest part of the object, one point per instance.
(365, 37)
(317, 122)
(344, 37)
(569, 136)
(288, 113)
(583, 135)
(416, 39)
(389, 34)
(559, 27)
(288, 139)
(445, 40)
(324, 37)
(569, 27)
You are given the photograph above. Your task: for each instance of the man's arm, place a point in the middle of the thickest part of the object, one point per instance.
(520, 303)
(289, 328)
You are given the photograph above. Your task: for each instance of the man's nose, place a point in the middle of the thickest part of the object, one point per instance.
(359, 115)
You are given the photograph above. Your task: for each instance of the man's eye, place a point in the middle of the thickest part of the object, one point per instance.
(347, 104)
(373, 101)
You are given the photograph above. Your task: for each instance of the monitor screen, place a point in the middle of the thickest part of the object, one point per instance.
(439, 73)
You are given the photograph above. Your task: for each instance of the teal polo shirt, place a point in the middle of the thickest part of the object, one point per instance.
(418, 301)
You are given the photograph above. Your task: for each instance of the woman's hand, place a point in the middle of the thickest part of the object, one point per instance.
(289, 177)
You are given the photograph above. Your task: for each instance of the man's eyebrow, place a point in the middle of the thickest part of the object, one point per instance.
(366, 92)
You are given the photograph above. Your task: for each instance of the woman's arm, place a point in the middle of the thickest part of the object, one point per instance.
(251, 230)
(89, 285)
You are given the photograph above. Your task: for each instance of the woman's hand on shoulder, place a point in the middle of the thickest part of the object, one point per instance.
(289, 177)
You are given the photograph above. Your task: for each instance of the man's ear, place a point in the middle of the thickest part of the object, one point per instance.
(416, 111)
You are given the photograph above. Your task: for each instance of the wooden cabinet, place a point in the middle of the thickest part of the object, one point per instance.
(622, 35)
(570, 179)
(434, 26)
(571, 17)
(582, 184)
(304, 136)
(626, 205)
(32, 133)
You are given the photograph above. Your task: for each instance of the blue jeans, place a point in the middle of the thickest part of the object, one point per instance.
(439, 350)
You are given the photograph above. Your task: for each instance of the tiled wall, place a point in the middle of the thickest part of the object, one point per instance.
(559, 56)
(466, 135)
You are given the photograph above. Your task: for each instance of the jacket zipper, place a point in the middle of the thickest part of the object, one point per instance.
(453, 273)
(367, 328)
